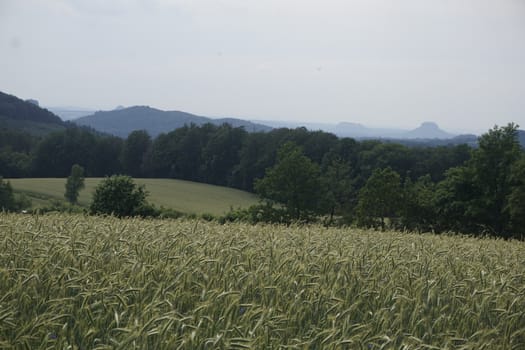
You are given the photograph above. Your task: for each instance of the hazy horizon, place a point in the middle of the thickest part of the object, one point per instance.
(378, 63)
(81, 112)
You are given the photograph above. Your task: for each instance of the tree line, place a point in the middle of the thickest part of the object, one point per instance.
(220, 155)
(306, 175)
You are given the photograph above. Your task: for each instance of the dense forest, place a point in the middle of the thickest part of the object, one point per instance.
(308, 174)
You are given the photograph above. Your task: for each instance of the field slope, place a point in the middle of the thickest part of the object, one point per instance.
(99, 283)
(183, 196)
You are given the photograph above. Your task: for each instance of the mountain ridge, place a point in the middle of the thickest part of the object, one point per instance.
(427, 130)
(27, 116)
(121, 122)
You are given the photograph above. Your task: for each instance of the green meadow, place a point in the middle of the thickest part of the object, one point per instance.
(183, 196)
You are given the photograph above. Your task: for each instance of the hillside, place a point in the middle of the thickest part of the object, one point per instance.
(27, 116)
(183, 196)
(121, 122)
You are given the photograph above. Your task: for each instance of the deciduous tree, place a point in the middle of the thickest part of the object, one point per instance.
(74, 183)
(7, 198)
(380, 198)
(292, 182)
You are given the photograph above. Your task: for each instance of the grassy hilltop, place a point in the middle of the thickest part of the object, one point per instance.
(89, 282)
(183, 196)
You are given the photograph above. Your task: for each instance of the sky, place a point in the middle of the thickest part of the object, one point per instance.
(381, 63)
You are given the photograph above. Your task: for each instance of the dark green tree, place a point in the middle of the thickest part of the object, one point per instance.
(185, 154)
(292, 182)
(107, 153)
(482, 195)
(74, 183)
(492, 162)
(161, 160)
(452, 201)
(56, 154)
(135, 148)
(14, 164)
(418, 210)
(380, 198)
(221, 154)
(7, 198)
(118, 195)
(515, 207)
(336, 188)
(254, 158)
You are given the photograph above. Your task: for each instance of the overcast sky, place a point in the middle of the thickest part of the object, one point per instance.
(460, 63)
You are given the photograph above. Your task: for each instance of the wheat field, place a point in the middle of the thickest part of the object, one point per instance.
(80, 282)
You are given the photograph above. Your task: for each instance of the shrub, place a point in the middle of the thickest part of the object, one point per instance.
(118, 195)
(7, 198)
(75, 182)
(9, 201)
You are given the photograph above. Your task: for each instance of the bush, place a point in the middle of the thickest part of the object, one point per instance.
(264, 212)
(118, 195)
(59, 206)
(7, 198)
(9, 201)
(169, 213)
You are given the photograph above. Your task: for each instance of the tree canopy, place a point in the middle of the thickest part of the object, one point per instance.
(380, 198)
(305, 175)
(292, 182)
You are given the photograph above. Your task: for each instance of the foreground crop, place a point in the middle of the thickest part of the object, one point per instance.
(107, 283)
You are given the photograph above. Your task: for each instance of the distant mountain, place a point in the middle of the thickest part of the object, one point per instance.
(358, 131)
(238, 123)
(27, 116)
(121, 122)
(277, 124)
(427, 130)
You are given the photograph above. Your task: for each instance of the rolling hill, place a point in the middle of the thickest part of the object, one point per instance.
(121, 122)
(27, 116)
(183, 196)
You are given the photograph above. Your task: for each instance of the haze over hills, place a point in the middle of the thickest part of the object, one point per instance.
(71, 112)
(28, 116)
(156, 121)
(121, 122)
(427, 130)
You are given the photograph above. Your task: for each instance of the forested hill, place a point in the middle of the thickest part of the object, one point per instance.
(26, 116)
(121, 122)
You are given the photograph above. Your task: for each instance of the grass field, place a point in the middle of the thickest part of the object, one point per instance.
(183, 196)
(102, 283)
